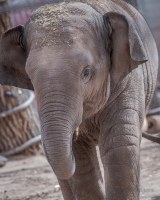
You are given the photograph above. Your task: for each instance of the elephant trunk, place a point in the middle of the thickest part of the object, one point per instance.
(57, 142)
(59, 119)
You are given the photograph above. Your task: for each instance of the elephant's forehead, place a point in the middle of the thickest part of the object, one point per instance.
(55, 11)
(55, 17)
(65, 23)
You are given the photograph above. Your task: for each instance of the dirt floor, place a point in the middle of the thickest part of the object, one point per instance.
(31, 178)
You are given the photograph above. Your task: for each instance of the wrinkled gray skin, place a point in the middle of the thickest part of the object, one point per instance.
(93, 68)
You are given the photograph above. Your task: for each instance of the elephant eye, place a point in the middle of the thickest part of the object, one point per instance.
(87, 74)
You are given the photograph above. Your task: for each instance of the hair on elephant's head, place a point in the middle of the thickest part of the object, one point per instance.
(71, 55)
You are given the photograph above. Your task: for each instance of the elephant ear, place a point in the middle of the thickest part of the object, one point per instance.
(13, 59)
(127, 48)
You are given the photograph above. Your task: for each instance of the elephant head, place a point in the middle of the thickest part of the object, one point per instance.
(71, 56)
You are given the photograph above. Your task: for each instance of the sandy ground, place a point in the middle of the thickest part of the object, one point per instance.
(31, 178)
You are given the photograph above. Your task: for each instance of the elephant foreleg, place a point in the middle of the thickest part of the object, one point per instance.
(66, 190)
(119, 149)
(87, 180)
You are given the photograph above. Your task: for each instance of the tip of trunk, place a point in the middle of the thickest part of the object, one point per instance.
(66, 174)
(63, 169)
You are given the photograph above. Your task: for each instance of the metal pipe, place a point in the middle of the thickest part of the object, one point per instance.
(20, 107)
(22, 147)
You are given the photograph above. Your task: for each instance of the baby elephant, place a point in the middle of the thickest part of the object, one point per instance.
(93, 67)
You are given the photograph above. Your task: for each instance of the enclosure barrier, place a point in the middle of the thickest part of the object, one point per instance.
(19, 127)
